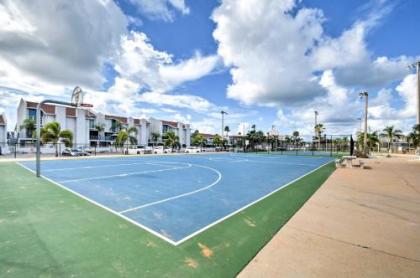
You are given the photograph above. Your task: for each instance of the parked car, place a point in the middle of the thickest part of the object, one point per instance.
(192, 150)
(83, 152)
(158, 150)
(167, 150)
(74, 152)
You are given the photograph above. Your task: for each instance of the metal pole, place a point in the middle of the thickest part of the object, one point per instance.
(223, 124)
(366, 96)
(418, 91)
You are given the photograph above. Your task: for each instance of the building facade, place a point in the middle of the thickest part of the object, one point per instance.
(73, 119)
(182, 130)
(95, 129)
(3, 129)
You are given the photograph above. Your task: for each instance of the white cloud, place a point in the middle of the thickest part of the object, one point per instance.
(84, 36)
(60, 42)
(266, 47)
(161, 9)
(408, 92)
(192, 102)
(191, 69)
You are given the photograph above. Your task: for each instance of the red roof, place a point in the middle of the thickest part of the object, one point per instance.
(206, 135)
(173, 124)
(47, 108)
(90, 114)
(2, 120)
(118, 118)
(70, 112)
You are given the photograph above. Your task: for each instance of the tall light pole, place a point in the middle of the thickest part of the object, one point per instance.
(365, 95)
(223, 122)
(315, 124)
(416, 66)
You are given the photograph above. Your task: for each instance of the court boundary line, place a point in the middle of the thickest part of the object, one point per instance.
(189, 165)
(180, 195)
(247, 206)
(176, 243)
(99, 166)
(103, 207)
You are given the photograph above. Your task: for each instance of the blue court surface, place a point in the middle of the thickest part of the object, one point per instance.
(177, 196)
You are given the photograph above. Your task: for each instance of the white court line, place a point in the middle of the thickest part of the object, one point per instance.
(176, 243)
(130, 173)
(229, 160)
(98, 166)
(104, 207)
(246, 206)
(181, 195)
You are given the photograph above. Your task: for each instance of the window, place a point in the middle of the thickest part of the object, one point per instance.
(32, 114)
(91, 124)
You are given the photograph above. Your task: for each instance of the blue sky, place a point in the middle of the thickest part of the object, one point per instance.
(267, 62)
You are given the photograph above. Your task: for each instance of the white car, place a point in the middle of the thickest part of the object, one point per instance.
(158, 150)
(192, 150)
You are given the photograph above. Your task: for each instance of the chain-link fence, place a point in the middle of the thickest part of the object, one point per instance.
(28, 149)
(326, 145)
(283, 145)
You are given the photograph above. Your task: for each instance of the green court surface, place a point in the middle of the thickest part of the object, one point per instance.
(46, 231)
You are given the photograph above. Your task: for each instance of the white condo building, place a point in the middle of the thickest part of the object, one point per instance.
(3, 129)
(96, 129)
(181, 129)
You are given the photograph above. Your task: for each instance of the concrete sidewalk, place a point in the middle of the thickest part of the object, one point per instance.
(360, 223)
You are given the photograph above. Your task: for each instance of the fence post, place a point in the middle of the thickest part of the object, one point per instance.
(331, 147)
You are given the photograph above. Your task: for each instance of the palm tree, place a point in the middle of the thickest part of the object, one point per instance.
(227, 130)
(155, 137)
(255, 138)
(171, 140)
(414, 136)
(51, 132)
(372, 140)
(198, 140)
(319, 129)
(296, 136)
(30, 126)
(126, 134)
(217, 140)
(391, 133)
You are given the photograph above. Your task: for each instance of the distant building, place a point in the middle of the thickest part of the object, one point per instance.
(3, 128)
(209, 138)
(74, 119)
(103, 128)
(182, 130)
(88, 128)
(3, 135)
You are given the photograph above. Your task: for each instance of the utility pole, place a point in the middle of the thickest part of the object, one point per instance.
(365, 95)
(360, 124)
(223, 122)
(416, 67)
(315, 124)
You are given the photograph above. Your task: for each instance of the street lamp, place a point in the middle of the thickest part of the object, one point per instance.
(223, 122)
(360, 124)
(365, 95)
(315, 124)
(416, 67)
